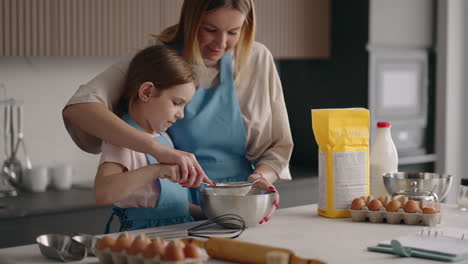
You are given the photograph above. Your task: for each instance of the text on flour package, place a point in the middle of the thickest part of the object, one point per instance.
(343, 139)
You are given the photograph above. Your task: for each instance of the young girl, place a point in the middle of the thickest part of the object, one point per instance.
(159, 83)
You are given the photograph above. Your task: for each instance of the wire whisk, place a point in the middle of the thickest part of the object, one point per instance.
(227, 226)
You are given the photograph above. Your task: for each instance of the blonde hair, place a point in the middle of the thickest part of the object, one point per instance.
(190, 22)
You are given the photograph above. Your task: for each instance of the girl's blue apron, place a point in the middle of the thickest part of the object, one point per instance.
(213, 130)
(172, 205)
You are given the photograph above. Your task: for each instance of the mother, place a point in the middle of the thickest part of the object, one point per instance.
(236, 125)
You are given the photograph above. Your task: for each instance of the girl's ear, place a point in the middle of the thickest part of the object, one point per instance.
(146, 90)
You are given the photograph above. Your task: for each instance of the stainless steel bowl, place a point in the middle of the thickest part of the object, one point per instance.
(60, 247)
(418, 184)
(88, 241)
(252, 207)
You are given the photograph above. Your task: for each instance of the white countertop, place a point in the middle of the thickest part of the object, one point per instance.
(307, 234)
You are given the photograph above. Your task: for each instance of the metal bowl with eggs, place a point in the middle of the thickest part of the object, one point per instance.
(252, 207)
(418, 185)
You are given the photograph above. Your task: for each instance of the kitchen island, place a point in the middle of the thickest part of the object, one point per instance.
(24, 217)
(307, 234)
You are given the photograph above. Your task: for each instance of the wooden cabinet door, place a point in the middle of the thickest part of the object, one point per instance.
(76, 27)
(294, 28)
(170, 12)
(290, 29)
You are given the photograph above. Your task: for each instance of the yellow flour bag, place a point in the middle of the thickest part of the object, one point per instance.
(343, 139)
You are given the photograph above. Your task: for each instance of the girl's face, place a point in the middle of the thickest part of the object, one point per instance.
(219, 32)
(162, 110)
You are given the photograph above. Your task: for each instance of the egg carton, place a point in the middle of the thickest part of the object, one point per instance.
(106, 256)
(397, 217)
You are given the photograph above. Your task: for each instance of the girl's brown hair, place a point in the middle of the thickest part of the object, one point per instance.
(190, 22)
(158, 64)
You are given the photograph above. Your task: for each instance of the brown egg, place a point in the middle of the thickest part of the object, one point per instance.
(364, 198)
(357, 204)
(139, 245)
(180, 243)
(105, 242)
(429, 210)
(123, 242)
(381, 199)
(411, 206)
(375, 205)
(162, 241)
(192, 251)
(173, 252)
(155, 248)
(393, 206)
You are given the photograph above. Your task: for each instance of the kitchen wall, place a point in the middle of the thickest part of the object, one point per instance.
(452, 93)
(401, 23)
(340, 81)
(45, 84)
(407, 26)
(440, 26)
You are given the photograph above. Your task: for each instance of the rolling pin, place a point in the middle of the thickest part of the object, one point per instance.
(244, 252)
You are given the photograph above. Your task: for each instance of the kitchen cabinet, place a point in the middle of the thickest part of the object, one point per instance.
(24, 230)
(24, 217)
(76, 27)
(291, 29)
(170, 13)
(294, 28)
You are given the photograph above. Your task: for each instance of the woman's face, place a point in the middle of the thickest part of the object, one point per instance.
(219, 32)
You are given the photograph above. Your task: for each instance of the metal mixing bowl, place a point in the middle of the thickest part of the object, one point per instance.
(88, 241)
(418, 184)
(252, 207)
(61, 247)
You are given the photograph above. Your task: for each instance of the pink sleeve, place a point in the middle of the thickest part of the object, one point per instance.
(112, 153)
(146, 196)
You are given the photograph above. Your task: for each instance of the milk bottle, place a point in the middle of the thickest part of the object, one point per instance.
(383, 159)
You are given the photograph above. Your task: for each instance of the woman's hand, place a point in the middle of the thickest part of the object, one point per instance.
(190, 173)
(264, 184)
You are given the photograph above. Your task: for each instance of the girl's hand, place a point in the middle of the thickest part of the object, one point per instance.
(264, 184)
(170, 172)
(190, 174)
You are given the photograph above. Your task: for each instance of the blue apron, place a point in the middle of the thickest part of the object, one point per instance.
(213, 130)
(172, 205)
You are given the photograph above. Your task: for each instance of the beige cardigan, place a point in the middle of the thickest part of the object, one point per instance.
(260, 97)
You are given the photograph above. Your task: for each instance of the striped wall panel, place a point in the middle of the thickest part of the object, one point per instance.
(294, 28)
(76, 27)
(289, 28)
